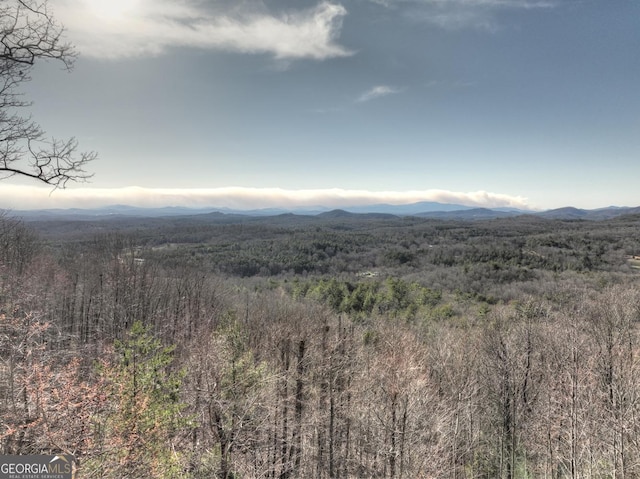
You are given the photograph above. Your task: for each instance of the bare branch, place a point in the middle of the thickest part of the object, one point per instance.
(29, 34)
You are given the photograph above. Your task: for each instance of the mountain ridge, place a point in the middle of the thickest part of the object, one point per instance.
(379, 211)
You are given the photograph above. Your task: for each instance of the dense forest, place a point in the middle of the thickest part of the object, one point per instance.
(364, 346)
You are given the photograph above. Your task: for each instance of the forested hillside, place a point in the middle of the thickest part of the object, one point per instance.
(300, 347)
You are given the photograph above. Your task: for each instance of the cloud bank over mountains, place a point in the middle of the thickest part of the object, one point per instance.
(17, 197)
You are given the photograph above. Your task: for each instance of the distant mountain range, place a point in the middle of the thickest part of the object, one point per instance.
(380, 211)
(570, 213)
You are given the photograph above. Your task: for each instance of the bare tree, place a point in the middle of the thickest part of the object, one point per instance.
(29, 34)
(513, 366)
(613, 327)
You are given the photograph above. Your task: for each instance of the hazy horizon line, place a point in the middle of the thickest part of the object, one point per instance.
(29, 197)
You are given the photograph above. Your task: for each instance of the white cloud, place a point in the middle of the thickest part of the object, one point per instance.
(458, 20)
(460, 14)
(528, 4)
(16, 197)
(131, 28)
(377, 92)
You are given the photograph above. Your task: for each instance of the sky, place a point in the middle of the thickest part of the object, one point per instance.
(529, 104)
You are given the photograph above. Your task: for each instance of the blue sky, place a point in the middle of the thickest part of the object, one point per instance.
(524, 103)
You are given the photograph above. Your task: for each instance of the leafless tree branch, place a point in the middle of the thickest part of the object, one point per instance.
(28, 34)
